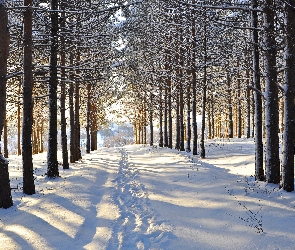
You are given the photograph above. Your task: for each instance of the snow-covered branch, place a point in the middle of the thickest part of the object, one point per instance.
(220, 7)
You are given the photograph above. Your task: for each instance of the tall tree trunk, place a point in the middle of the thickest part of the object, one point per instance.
(188, 120)
(180, 57)
(194, 114)
(209, 119)
(202, 141)
(166, 118)
(161, 141)
(93, 127)
(41, 150)
(170, 128)
(181, 111)
(135, 132)
(194, 85)
(239, 111)
(28, 172)
(77, 155)
(5, 191)
(72, 114)
(144, 132)
(93, 139)
(151, 121)
(259, 171)
(204, 97)
(88, 122)
(212, 117)
(52, 164)
(144, 124)
(272, 163)
(177, 123)
(281, 115)
(230, 108)
(248, 93)
(34, 138)
(19, 152)
(140, 124)
(63, 120)
(288, 137)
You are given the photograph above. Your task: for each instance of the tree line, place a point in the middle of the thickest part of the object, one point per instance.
(230, 62)
(56, 76)
(169, 62)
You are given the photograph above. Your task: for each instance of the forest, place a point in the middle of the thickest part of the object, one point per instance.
(63, 64)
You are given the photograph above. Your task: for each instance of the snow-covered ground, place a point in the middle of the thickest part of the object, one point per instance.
(141, 197)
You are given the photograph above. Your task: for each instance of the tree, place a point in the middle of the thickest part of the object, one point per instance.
(5, 192)
(259, 172)
(63, 121)
(272, 163)
(52, 164)
(289, 108)
(28, 172)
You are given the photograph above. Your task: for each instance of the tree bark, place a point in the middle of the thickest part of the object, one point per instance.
(202, 141)
(72, 122)
(28, 172)
(19, 152)
(170, 128)
(5, 191)
(230, 108)
(77, 154)
(188, 120)
(52, 164)
(151, 121)
(181, 111)
(239, 111)
(63, 120)
(161, 141)
(88, 122)
(248, 93)
(177, 123)
(166, 118)
(272, 163)
(204, 96)
(259, 171)
(194, 86)
(93, 127)
(289, 126)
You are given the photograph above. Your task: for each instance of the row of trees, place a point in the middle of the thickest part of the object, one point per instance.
(167, 61)
(61, 60)
(232, 62)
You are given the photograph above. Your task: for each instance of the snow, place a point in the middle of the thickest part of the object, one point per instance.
(142, 197)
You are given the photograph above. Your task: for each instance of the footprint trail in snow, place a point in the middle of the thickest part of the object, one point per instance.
(136, 227)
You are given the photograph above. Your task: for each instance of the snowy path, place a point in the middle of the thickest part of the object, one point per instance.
(136, 228)
(141, 197)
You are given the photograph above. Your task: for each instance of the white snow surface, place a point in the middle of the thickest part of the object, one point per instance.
(142, 197)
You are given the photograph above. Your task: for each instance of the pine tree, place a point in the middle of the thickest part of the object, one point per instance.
(5, 192)
(289, 108)
(52, 164)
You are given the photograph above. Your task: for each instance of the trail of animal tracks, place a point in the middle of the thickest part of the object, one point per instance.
(141, 197)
